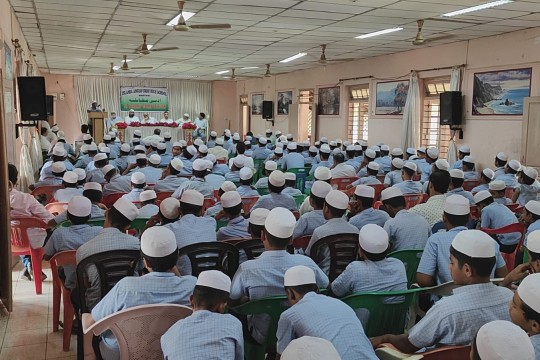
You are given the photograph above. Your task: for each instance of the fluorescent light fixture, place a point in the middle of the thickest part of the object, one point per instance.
(186, 15)
(294, 57)
(149, 46)
(222, 72)
(381, 32)
(116, 67)
(249, 68)
(477, 8)
(127, 60)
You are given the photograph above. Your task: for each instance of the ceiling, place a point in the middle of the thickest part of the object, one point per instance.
(84, 36)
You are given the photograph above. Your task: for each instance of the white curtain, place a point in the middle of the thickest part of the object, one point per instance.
(35, 152)
(26, 169)
(185, 96)
(410, 128)
(455, 85)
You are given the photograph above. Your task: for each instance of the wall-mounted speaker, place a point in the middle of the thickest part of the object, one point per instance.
(32, 97)
(451, 108)
(268, 110)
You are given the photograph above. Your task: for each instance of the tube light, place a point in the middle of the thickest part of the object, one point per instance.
(381, 32)
(294, 57)
(222, 72)
(477, 8)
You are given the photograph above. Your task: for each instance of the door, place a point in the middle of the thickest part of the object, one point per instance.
(530, 144)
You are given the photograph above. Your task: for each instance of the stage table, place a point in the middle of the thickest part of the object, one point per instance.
(176, 133)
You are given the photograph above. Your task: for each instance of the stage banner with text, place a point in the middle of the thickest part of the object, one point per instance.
(144, 98)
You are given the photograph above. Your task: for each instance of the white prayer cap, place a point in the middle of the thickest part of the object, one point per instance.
(177, 164)
(161, 146)
(87, 137)
(411, 151)
(373, 166)
(421, 149)
(183, 143)
(58, 167)
(219, 141)
(230, 199)
(192, 150)
(488, 173)
(497, 185)
(139, 148)
(277, 178)
(270, 165)
(373, 239)
(167, 135)
(147, 195)
(227, 132)
(442, 164)
(385, 148)
(515, 165)
(262, 140)
(92, 147)
(290, 176)
(236, 137)
(137, 132)
(533, 242)
(370, 153)
(390, 193)
(502, 156)
(325, 149)
(363, 143)
(228, 186)
(81, 174)
(530, 172)
(125, 147)
(397, 151)
(59, 150)
(322, 173)
(198, 142)
(170, 208)
(131, 110)
(364, 191)
(158, 241)
(468, 159)
(212, 159)
(136, 141)
(465, 149)
(357, 147)
(70, 177)
(533, 206)
(186, 114)
(278, 150)
(268, 131)
(410, 165)
(280, 223)
(138, 178)
(246, 173)
(192, 197)
(375, 148)
(140, 156)
(107, 168)
(456, 173)
(299, 275)
(313, 149)
(433, 153)
(105, 150)
(203, 148)
(99, 157)
(155, 159)
(177, 144)
(79, 206)
(398, 163)
(92, 186)
(457, 205)
(317, 143)
(199, 165)
(84, 148)
(320, 189)
(333, 143)
(107, 137)
(55, 128)
(310, 348)
(282, 138)
(349, 148)
(126, 208)
(324, 139)
(214, 279)
(529, 290)
(481, 196)
(503, 340)
(238, 162)
(337, 199)
(291, 146)
(336, 151)
(258, 216)
(289, 136)
(474, 243)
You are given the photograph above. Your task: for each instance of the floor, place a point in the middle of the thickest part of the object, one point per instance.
(26, 333)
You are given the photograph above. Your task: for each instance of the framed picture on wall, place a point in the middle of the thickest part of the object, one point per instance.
(284, 99)
(8, 63)
(501, 92)
(390, 97)
(257, 104)
(329, 101)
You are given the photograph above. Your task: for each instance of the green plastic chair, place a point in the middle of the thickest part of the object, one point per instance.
(258, 164)
(221, 223)
(299, 199)
(138, 224)
(301, 177)
(272, 306)
(385, 317)
(411, 260)
(263, 191)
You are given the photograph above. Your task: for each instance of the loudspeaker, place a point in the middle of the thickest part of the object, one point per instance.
(268, 110)
(50, 105)
(451, 108)
(32, 97)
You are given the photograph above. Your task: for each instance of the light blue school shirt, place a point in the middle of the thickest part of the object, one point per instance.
(236, 228)
(458, 164)
(247, 191)
(407, 231)
(369, 216)
(273, 200)
(462, 192)
(367, 180)
(533, 227)
(169, 184)
(510, 180)
(409, 187)
(293, 160)
(393, 178)
(479, 188)
(308, 222)
(495, 216)
(195, 183)
(385, 162)
(314, 167)
(528, 193)
(470, 175)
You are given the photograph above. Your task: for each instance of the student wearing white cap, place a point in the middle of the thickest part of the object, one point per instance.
(509, 176)
(138, 183)
(269, 166)
(148, 204)
(433, 268)
(323, 174)
(240, 151)
(408, 185)
(324, 156)
(219, 151)
(340, 168)
(475, 303)
(311, 220)
(432, 155)
(384, 161)
(263, 276)
(530, 217)
(70, 183)
(352, 159)
(311, 156)
(499, 340)
(208, 333)
(290, 185)
(294, 159)
(313, 314)
(257, 218)
(246, 189)
(58, 169)
(150, 169)
(497, 188)
(464, 150)
(170, 179)
(236, 164)
(372, 169)
(468, 168)
(485, 178)
(432, 209)
(111, 237)
(87, 158)
(369, 156)
(116, 183)
(501, 159)
(276, 184)
(189, 155)
(528, 187)
(123, 157)
(211, 140)
(277, 154)
(237, 227)
(310, 348)
(394, 176)
(96, 174)
(58, 154)
(361, 210)
(457, 178)
(93, 192)
(197, 181)
(81, 176)
(162, 284)
(261, 152)
(406, 230)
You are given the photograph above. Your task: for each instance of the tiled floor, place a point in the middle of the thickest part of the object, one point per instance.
(26, 333)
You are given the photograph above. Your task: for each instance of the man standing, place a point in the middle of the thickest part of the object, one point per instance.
(202, 125)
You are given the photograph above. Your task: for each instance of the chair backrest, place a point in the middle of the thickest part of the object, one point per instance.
(381, 177)
(138, 224)
(378, 189)
(234, 241)
(509, 258)
(20, 241)
(208, 202)
(221, 223)
(252, 247)
(387, 310)
(112, 266)
(468, 185)
(62, 258)
(301, 177)
(263, 191)
(110, 199)
(56, 208)
(46, 191)
(413, 199)
(343, 182)
(474, 212)
(509, 192)
(258, 173)
(512, 207)
(447, 353)
(377, 204)
(138, 330)
(299, 199)
(163, 195)
(248, 202)
(343, 250)
(411, 260)
(302, 242)
(211, 255)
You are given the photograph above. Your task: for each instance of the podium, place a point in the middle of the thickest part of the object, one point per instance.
(97, 124)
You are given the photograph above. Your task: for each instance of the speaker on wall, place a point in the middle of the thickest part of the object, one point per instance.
(268, 110)
(451, 108)
(32, 97)
(50, 105)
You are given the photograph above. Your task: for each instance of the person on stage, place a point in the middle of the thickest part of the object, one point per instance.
(166, 119)
(113, 120)
(202, 125)
(131, 118)
(147, 119)
(184, 119)
(94, 106)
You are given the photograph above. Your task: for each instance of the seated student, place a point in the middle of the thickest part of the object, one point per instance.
(310, 348)
(148, 204)
(276, 184)
(456, 185)
(256, 222)
(312, 153)
(406, 230)
(432, 209)
(438, 165)
(335, 206)
(81, 176)
(170, 181)
(294, 159)
(464, 150)
(169, 212)
(321, 174)
(164, 156)
(245, 189)
(384, 160)
(501, 339)
(96, 174)
(362, 211)
(219, 151)
(152, 171)
(528, 186)
(475, 303)
(58, 169)
(494, 216)
(70, 182)
(92, 191)
(394, 176)
(409, 153)
(86, 157)
(269, 166)
(192, 227)
(530, 217)
(309, 221)
(208, 333)
(277, 155)
(371, 178)
(501, 160)
(261, 152)
(432, 155)
(234, 174)
(342, 169)
(290, 185)
(263, 276)
(468, 169)
(217, 207)
(324, 153)
(408, 185)
(485, 178)
(433, 268)
(313, 314)
(369, 156)
(116, 183)
(122, 160)
(212, 140)
(162, 285)
(497, 189)
(237, 226)
(525, 306)
(111, 237)
(138, 183)
(58, 154)
(197, 181)
(510, 174)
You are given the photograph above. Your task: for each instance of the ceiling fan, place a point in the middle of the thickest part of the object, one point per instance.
(182, 26)
(144, 50)
(241, 77)
(322, 59)
(267, 73)
(111, 70)
(420, 40)
(125, 66)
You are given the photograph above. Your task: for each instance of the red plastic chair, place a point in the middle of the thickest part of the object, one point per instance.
(452, 352)
(513, 207)
(216, 194)
(468, 185)
(377, 204)
(412, 200)
(248, 202)
(302, 242)
(56, 208)
(61, 291)
(510, 259)
(343, 182)
(163, 195)
(378, 189)
(425, 197)
(47, 191)
(110, 199)
(20, 244)
(221, 161)
(349, 192)
(416, 177)
(509, 192)
(474, 212)
(208, 202)
(381, 177)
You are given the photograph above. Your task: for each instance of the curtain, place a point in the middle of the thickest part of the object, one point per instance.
(410, 128)
(455, 85)
(192, 97)
(26, 169)
(35, 152)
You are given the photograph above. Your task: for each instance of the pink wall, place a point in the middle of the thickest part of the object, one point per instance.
(65, 113)
(225, 106)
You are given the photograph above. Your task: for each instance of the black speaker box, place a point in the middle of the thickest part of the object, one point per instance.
(32, 97)
(50, 105)
(268, 110)
(451, 108)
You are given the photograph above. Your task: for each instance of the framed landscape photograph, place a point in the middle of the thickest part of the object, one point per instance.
(329, 101)
(257, 104)
(501, 92)
(284, 99)
(390, 97)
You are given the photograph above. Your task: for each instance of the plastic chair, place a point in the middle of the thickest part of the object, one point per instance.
(273, 307)
(377, 204)
(208, 202)
(343, 182)
(474, 212)
(411, 260)
(248, 202)
(381, 177)
(61, 292)
(301, 177)
(509, 258)
(299, 199)
(252, 247)
(221, 223)
(468, 185)
(234, 241)
(110, 199)
(343, 250)
(509, 192)
(138, 330)
(453, 352)
(137, 226)
(20, 244)
(413, 199)
(221, 161)
(56, 208)
(512, 207)
(163, 195)
(263, 191)
(378, 189)
(258, 167)
(301, 242)
(211, 255)
(46, 191)
(385, 352)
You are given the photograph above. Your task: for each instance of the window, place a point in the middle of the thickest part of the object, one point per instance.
(433, 87)
(432, 133)
(357, 126)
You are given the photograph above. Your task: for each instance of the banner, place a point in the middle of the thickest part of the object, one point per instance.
(144, 98)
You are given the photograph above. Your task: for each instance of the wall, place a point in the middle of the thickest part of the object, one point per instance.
(65, 110)
(225, 106)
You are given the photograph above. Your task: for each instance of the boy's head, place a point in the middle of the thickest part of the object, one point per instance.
(318, 193)
(121, 214)
(176, 149)
(501, 159)
(365, 196)
(154, 160)
(138, 180)
(290, 179)
(373, 241)
(141, 160)
(246, 176)
(58, 168)
(533, 249)
(191, 203)
(211, 291)
(109, 171)
(148, 197)
(408, 170)
(512, 167)
(456, 211)
(457, 177)
(393, 200)
(527, 175)
(299, 280)
(93, 191)
(324, 152)
(70, 179)
(525, 305)
(397, 163)
(276, 181)
(278, 229)
(125, 149)
(175, 166)
(432, 154)
(373, 168)
(159, 249)
(472, 257)
(257, 219)
(486, 176)
(482, 199)
(199, 168)
(468, 163)
(531, 212)
(438, 182)
(497, 189)
(169, 210)
(232, 204)
(464, 150)
(13, 174)
(323, 173)
(339, 158)
(79, 209)
(500, 339)
(335, 204)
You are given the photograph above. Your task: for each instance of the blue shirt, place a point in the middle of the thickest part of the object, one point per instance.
(291, 191)
(458, 164)
(169, 184)
(510, 180)
(480, 187)
(220, 169)
(292, 160)
(236, 228)
(195, 183)
(274, 200)
(534, 226)
(233, 176)
(314, 167)
(528, 192)
(470, 175)
(308, 222)
(495, 216)
(367, 180)
(247, 191)
(369, 216)
(409, 187)
(393, 178)
(117, 184)
(426, 172)
(535, 340)
(385, 162)
(460, 191)
(407, 231)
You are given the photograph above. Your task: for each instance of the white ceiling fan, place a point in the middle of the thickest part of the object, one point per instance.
(145, 50)
(125, 66)
(182, 26)
(324, 61)
(420, 40)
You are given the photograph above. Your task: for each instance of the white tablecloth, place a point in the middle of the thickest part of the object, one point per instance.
(176, 133)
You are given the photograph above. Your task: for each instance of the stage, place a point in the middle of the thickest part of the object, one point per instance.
(177, 133)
